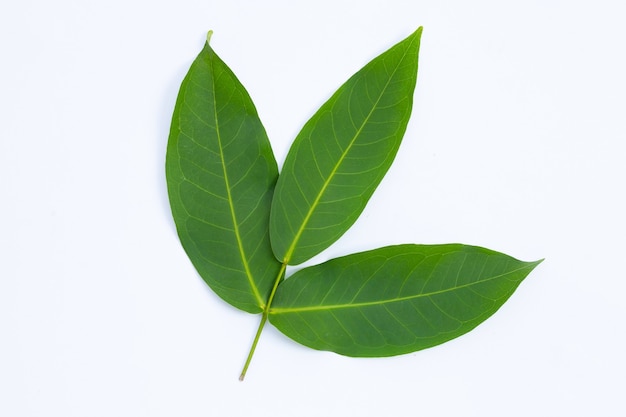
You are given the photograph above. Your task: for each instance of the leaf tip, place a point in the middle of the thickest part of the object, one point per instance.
(534, 264)
(208, 36)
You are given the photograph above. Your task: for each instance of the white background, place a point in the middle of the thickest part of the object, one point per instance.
(516, 143)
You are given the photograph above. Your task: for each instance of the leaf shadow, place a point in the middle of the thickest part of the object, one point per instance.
(163, 121)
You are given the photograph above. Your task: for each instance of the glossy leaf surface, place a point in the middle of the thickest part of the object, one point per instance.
(241, 235)
(342, 153)
(396, 299)
(220, 175)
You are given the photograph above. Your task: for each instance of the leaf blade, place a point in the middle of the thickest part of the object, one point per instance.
(342, 153)
(395, 300)
(221, 173)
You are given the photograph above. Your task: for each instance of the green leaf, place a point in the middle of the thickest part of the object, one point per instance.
(342, 153)
(240, 237)
(396, 299)
(221, 174)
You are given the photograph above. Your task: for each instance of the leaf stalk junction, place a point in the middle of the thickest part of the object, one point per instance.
(264, 316)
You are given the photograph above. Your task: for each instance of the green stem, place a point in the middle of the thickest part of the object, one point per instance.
(264, 317)
(253, 347)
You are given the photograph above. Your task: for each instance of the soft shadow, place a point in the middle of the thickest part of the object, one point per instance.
(164, 119)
